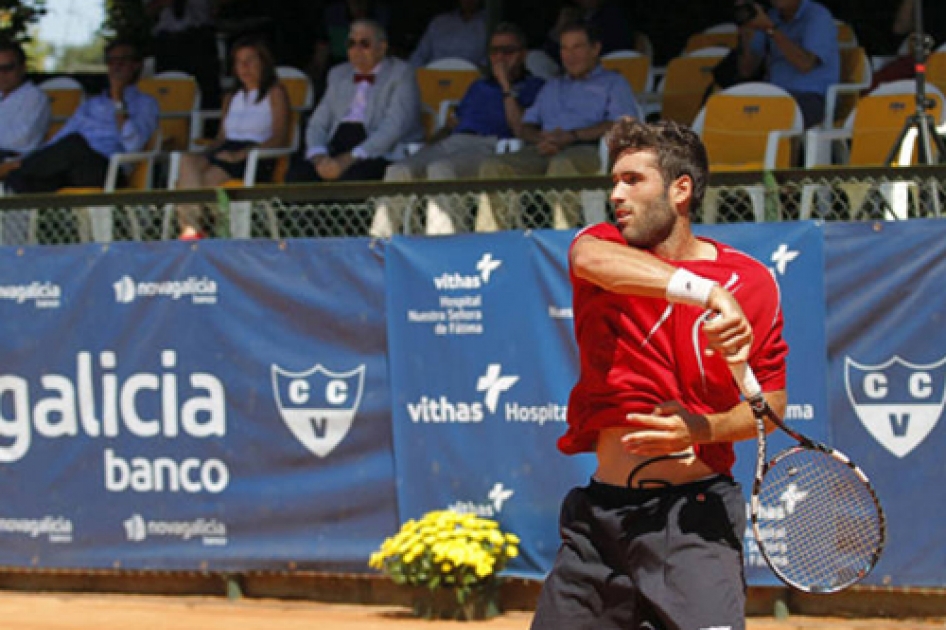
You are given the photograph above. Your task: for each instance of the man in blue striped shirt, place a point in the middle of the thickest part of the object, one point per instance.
(563, 127)
(120, 120)
(24, 108)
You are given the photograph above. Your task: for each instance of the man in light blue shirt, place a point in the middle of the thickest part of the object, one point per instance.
(121, 120)
(798, 42)
(24, 108)
(563, 128)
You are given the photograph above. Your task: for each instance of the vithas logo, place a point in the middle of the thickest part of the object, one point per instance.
(441, 409)
(493, 383)
(497, 497)
(485, 267)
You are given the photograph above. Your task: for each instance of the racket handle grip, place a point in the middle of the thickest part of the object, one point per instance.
(745, 379)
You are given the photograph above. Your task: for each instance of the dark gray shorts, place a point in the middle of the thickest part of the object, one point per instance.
(665, 558)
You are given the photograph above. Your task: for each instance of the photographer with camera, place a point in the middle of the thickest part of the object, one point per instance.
(797, 40)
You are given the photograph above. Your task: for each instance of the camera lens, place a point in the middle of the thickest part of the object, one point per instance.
(743, 12)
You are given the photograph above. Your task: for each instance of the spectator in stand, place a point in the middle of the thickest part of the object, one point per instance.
(460, 33)
(185, 40)
(797, 40)
(370, 105)
(257, 114)
(332, 33)
(610, 20)
(563, 127)
(24, 108)
(489, 110)
(122, 119)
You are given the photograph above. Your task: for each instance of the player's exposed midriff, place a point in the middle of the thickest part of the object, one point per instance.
(615, 463)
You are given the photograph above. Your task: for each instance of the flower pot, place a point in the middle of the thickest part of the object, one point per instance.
(481, 602)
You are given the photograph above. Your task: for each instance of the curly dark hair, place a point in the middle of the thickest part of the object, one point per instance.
(679, 151)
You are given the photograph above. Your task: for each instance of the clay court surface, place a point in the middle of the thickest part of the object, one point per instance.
(54, 611)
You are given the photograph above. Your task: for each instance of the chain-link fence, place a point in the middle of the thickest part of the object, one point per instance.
(435, 208)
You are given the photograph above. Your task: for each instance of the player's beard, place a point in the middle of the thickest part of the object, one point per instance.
(651, 224)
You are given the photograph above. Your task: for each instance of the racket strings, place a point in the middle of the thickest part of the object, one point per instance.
(819, 524)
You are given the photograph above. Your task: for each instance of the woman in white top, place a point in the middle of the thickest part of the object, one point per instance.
(257, 114)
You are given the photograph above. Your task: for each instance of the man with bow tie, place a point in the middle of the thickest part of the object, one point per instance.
(371, 104)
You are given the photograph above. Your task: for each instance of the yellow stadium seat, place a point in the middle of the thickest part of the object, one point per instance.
(685, 84)
(444, 80)
(856, 76)
(65, 95)
(748, 127)
(633, 66)
(178, 99)
(846, 36)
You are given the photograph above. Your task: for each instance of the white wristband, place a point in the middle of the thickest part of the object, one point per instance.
(686, 287)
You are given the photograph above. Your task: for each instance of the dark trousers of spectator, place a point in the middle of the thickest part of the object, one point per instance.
(348, 136)
(333, 221)
(811, 105)
(5, 154)
(68, 162)
(193, 51)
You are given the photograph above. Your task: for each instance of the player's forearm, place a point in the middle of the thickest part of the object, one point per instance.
(620, 269)
(738, 424)
(802, 59)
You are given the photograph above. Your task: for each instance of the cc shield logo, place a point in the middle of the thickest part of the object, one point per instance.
(898, 402)
(318, 406)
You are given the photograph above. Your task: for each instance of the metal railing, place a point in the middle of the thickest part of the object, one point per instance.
(380, 209)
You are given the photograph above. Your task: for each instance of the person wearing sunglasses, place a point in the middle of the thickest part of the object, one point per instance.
(562, 130)
(122, 119)
(371, 104)
(489, 110)
(24, 108)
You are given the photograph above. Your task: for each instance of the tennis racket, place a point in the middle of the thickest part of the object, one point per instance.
(816, 518)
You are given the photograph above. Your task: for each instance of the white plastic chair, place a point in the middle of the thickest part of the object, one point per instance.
(737, 131)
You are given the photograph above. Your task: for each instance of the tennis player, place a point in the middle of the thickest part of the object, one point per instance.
(655, 539)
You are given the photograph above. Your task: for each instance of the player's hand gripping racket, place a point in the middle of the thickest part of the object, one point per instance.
(814, 514)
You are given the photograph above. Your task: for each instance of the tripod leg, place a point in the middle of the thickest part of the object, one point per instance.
(925, 140)
(940, 145)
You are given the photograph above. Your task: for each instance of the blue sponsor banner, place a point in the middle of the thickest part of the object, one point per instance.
(886, 357)
(261, 405)
(482, 361)
(216, 407)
